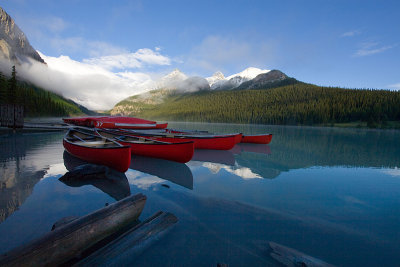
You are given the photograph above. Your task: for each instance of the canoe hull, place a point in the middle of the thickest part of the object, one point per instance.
(215, 142)
(257, 139)
(179, 152)
(112, 122)
(118, 158)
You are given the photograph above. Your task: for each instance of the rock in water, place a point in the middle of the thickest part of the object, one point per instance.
(113, 183)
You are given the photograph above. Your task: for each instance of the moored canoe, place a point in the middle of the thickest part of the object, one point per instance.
(257, 139)
(180, 152)
(218, 142)
(113, 122)
(97, 149)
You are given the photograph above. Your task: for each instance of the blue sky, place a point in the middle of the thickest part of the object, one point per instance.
(354, 44)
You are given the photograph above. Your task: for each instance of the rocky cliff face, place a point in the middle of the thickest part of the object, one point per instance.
(14, 45)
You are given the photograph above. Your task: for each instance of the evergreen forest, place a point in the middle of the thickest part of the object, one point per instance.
(36, 101)
(295, 104)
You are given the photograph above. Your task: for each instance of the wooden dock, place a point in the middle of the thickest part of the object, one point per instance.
(12, 116)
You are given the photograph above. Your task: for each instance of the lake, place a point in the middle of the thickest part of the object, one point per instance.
(332, 193)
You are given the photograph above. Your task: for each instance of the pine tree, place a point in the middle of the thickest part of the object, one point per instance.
(12, 88)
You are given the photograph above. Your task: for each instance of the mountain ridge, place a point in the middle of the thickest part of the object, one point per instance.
(177, 82)
(16, 50)
(14, 44)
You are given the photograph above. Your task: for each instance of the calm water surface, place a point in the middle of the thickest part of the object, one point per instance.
(331, 193)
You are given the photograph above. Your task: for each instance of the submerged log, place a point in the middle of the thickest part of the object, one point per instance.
(69, 240)
(291, 257)
(124, 248)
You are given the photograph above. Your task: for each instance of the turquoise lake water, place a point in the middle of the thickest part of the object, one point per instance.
(331, 193)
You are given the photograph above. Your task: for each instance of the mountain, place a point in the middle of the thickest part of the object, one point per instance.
(177, 82)
(264, 97)
(219, 82)
(171, 80)
(14, 45)
(217, 77)
(15, 49)
(273, 78)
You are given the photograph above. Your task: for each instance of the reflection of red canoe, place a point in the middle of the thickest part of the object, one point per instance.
(257, 139)
(219, 142)
(179, 152)
(112, 122)
(98, 150)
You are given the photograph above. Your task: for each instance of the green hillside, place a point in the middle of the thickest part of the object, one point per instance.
(37, 101)
(296, 104)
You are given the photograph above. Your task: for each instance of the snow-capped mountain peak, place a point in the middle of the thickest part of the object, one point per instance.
(218, 81)
(172, 79)
(175, 74)
(249, 73)
(217, 76)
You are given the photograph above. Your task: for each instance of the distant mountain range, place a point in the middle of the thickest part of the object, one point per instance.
(177, 82)
(249, 78)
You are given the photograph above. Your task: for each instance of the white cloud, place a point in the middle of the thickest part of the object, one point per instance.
(350, 33)
(395, 86)
(73, 45)
(216, 52)
(53, 24)
(371, 48)
(91, 84)
(130, 60)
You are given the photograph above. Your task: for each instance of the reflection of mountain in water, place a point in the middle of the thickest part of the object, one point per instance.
(175, 172)
(23, 161)
(303, 147)
(295, 147)
(248, 161)
(113, 183)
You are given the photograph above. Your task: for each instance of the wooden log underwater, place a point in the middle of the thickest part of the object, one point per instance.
(124, 249)
(291, 257)
(69, 240)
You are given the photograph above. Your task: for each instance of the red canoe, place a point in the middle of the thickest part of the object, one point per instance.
(179, 152)
(113, 122)
(257, 139)
(218, 142)
(188, 132)
(98, 150)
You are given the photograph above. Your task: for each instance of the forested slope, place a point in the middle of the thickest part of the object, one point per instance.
(36, 101)
(294, 104)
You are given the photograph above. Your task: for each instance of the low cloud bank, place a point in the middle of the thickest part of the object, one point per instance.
(93, 83)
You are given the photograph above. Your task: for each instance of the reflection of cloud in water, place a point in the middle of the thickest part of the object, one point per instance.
(242, 172)
(353, 200)
(395, 172)
(143, 182)
(55, 170)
